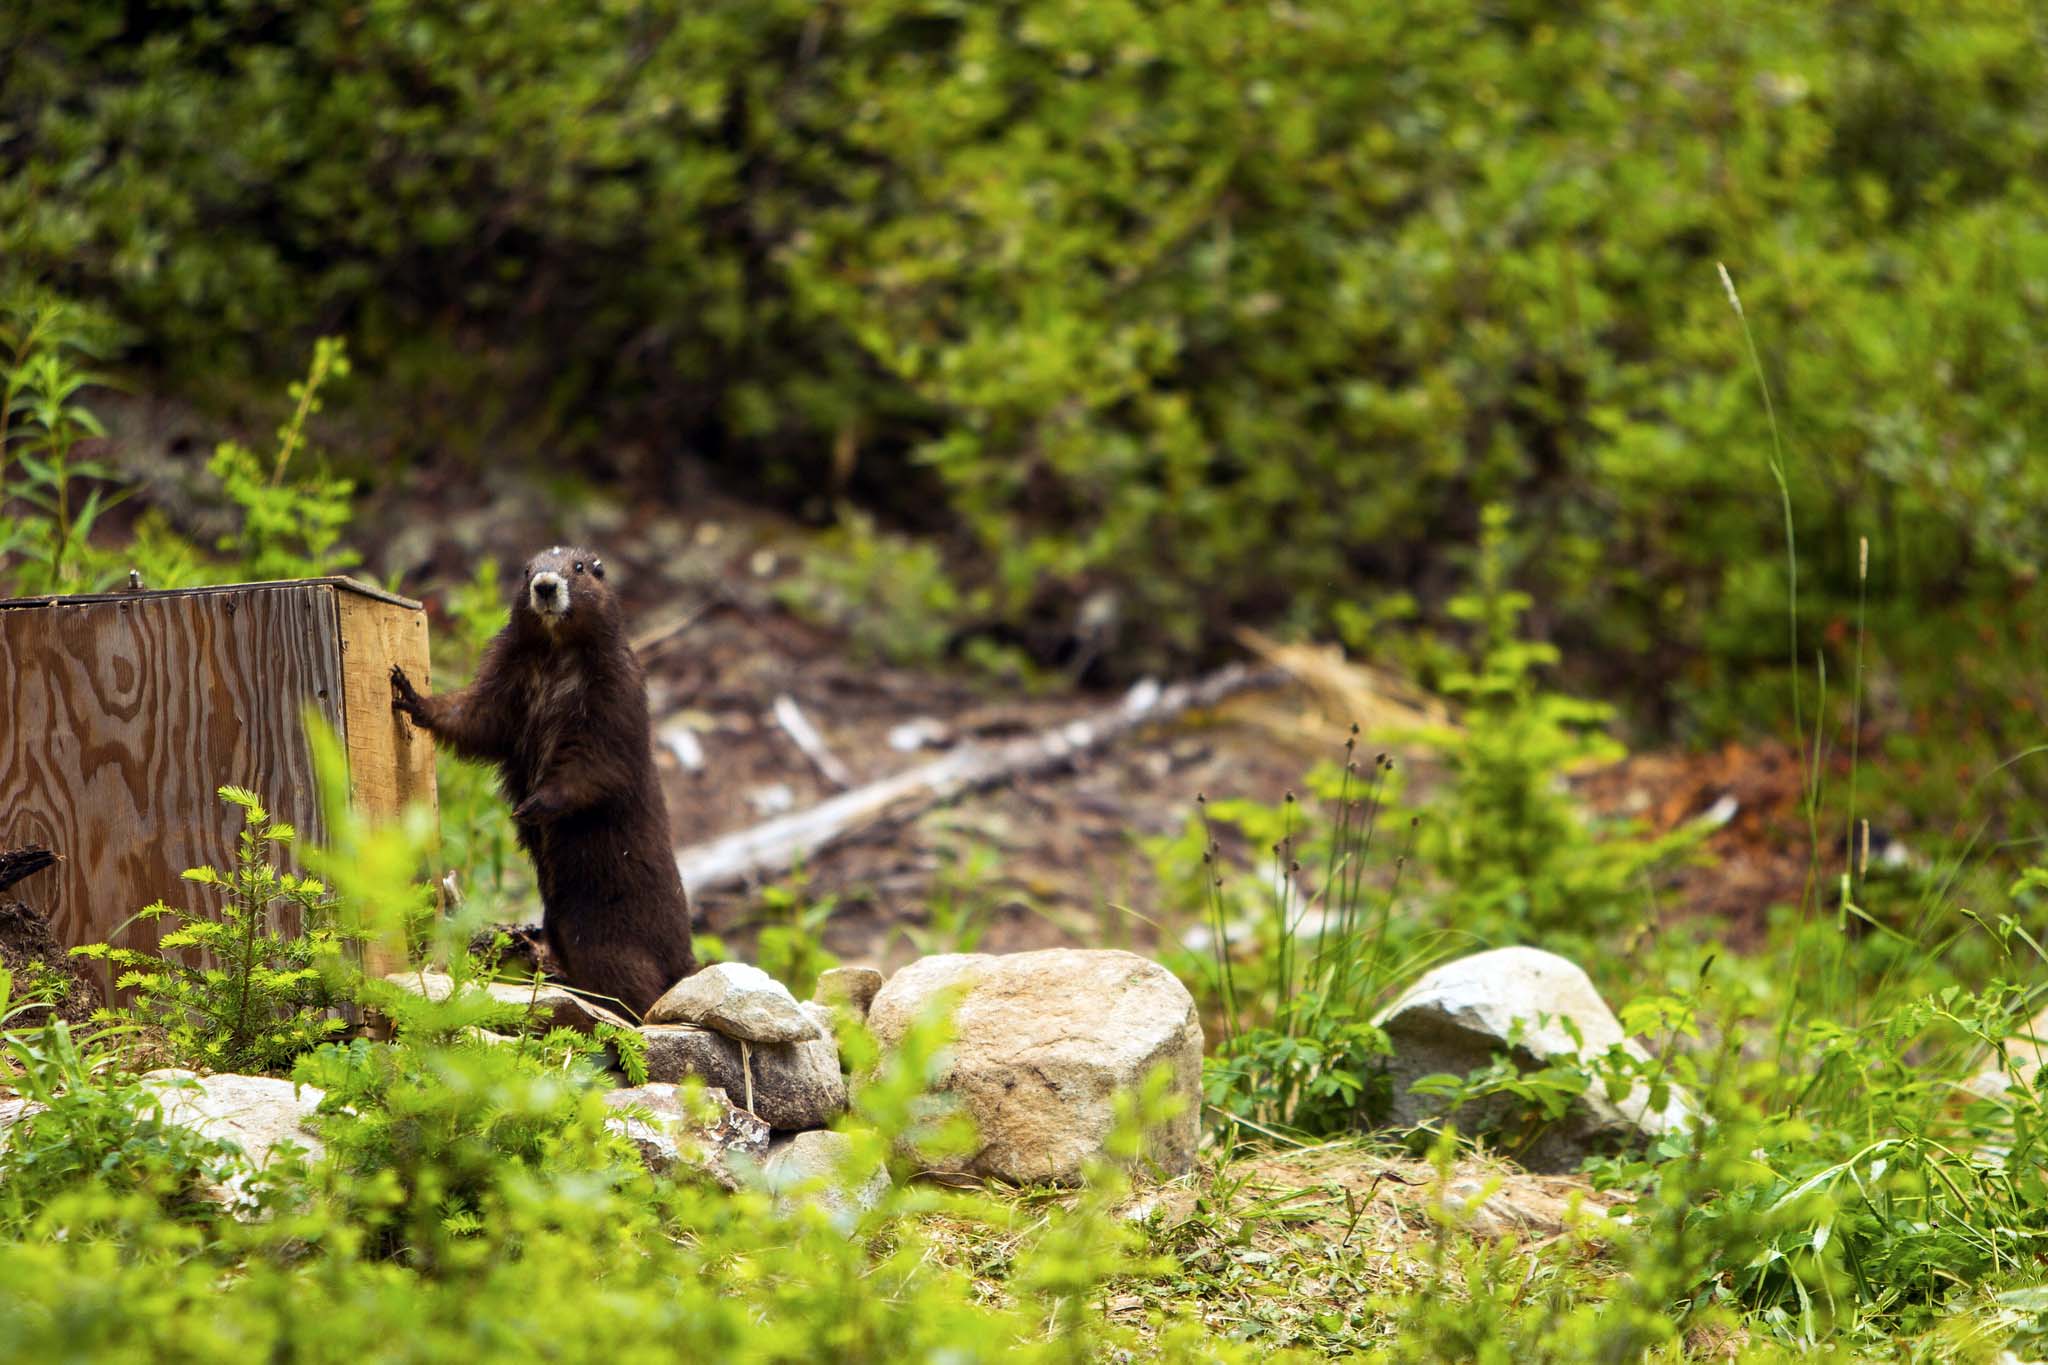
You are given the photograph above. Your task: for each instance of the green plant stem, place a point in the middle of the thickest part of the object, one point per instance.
(289, 438)
(1777, 467)
(247, 896)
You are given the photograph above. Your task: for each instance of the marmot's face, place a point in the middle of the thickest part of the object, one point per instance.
(565, 590)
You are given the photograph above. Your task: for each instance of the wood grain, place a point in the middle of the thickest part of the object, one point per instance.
(120, 716)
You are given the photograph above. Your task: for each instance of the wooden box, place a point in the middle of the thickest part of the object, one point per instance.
(121, 713)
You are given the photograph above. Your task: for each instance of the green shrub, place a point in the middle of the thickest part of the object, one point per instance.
(90, 1134)
(290, 528)
(1513, 854)
(286, 527)
(232, 992)
(1235, 312)
(43, 420)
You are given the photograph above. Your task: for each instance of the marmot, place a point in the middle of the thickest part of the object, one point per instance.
(559, 705)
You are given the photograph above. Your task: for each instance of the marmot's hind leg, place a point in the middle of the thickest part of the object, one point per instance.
(618, 975)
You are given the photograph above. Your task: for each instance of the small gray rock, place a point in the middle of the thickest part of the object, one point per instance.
(795, 1085)
(811, 1168)
(737, 1000)
(853, 987)
(549, 1006)
(668, 1135)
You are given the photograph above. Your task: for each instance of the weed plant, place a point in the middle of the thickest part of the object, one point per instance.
(229, 987)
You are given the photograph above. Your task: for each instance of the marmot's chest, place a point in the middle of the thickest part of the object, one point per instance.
(555, 690)
(556, 702)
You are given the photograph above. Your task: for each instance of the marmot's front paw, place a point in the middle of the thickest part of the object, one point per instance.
(537, 809)
(405, 698)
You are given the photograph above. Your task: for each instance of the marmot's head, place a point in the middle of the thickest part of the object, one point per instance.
(565, 594)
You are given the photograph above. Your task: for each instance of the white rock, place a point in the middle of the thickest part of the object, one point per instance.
(1460, 1015)
(1043, 1042)
(738, 1000)
(13, 1112)
(259, 1114)
(656, 1121)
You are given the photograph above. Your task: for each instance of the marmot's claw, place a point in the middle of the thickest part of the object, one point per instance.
(403, 696)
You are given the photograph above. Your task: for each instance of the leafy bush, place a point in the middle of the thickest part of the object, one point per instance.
(42, 421)
(290, 528)
(1237, 312)
(287, 527)
(1517, 856)
(88, 1130)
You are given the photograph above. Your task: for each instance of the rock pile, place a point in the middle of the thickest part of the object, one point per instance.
(1043, 1044)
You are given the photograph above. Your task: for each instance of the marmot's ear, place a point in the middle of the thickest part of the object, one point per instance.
(597, 567)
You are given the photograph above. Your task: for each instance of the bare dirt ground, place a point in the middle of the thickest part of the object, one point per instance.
(1038, 862)
(1032, 863)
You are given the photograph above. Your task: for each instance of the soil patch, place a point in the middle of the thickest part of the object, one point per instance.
(35, 958)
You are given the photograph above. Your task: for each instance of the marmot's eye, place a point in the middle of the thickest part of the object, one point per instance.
(579, 566)
(597, 567)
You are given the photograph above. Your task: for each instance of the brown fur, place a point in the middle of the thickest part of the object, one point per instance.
(559, 705)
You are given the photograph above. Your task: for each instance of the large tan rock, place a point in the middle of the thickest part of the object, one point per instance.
(1042, 1044)
(1459, 1016)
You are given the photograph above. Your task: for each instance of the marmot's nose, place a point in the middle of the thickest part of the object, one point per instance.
(545, 589)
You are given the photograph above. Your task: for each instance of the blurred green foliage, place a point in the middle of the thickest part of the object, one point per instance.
(1235, 310)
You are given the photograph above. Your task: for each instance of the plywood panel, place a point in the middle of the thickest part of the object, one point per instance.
(120, 716)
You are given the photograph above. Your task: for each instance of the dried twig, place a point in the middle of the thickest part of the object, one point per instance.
(805, 736)
(772, 847)
(666, 629)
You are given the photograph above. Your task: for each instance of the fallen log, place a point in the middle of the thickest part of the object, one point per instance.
(22, 862)
(774, 846)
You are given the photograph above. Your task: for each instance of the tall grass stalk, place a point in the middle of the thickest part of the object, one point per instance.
(1297, 1036)
(1811, 783)
(1212, 877)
